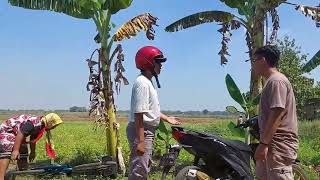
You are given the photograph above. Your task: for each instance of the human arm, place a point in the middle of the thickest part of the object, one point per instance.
(15, 155)
(170, 119)
(139, 133)
(32, 154)
(276, 102)
(273, 122)
(26, 129)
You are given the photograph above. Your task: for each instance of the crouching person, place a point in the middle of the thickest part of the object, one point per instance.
(13, 133)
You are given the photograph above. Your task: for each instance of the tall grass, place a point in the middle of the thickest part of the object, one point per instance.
(309, 134)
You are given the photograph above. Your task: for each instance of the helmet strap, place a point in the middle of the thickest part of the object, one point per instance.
(156, 76)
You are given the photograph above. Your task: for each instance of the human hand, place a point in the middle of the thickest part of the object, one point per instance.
(32, 156)
(261, 152)
(174, 120)
(140, 148)
(15, 155)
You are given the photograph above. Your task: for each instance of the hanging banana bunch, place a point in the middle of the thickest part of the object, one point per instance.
(139, 23)
(97, 100)
(313, 12)
(225, 30)
(275, 25)
(119, 69)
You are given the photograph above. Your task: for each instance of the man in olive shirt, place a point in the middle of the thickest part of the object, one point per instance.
(278, 146)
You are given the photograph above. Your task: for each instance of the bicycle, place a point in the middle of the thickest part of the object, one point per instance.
(107, 167)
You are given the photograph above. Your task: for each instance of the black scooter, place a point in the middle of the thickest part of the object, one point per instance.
(215, 157)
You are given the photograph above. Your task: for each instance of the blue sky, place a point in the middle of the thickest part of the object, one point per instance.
(43, 56)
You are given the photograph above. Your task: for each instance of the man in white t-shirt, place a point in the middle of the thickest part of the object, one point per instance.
(145, 112)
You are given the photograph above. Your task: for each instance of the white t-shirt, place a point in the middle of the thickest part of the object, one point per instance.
(144, 99)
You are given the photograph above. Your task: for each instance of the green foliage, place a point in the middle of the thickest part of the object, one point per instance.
(313, 63)
(115, 5)
(247, 7)
(247, 105)
(164, 134)
(309, 144)
(200, 18)
(75, 143)
(74, 8)
(231, 109)
(244, 7)
(163, 128)
(83, 9)
(291, 64)
(236, 131)
(235, 92)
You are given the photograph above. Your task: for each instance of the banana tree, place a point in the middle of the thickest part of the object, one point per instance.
(248, 105)
(100, 83)
(252, 15)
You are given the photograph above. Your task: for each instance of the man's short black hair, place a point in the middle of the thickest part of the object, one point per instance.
(271, 53)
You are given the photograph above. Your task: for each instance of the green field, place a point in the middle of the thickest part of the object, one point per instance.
(76, 142)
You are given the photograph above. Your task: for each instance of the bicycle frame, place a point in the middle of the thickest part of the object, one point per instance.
(107, 168)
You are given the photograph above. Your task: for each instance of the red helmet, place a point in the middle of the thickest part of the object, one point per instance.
(145, 57)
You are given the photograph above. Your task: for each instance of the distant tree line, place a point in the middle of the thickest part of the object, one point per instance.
(202, 113)
(77, 109)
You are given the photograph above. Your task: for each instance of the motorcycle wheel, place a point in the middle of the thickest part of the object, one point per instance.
(298, 172)
(182, 174)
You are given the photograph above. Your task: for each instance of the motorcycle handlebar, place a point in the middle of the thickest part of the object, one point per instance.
(242, 125)
(249, 123)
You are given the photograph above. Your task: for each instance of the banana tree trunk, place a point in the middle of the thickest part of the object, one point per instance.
(256, 86)
(110, 115)
(257, 34)
(112, 129)
(112, 132)
(102, 21)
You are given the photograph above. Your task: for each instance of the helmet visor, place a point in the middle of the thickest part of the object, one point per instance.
(160, 59)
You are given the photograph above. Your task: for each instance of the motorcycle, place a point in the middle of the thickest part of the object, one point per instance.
(215, 157)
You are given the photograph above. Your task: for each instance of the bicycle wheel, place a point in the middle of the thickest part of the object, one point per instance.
(108, 169)
(85, 167)
(298, 172)
(10, 175)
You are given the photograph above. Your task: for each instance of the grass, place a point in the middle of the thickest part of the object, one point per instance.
(76, 142)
